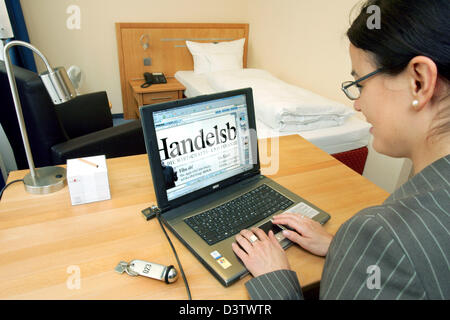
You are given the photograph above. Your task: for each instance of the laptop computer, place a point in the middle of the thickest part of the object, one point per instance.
(204, 161)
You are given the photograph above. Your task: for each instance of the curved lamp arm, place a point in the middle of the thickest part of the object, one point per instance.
(29, 46)
(15, 95)
(60, 90)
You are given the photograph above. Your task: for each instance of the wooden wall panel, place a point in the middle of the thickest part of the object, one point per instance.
(167, 49)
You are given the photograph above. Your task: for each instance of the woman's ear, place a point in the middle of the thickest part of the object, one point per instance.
(423, 76)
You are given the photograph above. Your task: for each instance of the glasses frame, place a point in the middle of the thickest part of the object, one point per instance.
(347, 84)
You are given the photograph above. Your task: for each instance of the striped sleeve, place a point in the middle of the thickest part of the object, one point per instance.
(365, 262)
(276, 285)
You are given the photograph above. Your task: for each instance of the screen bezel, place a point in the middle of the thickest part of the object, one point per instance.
(149, 131)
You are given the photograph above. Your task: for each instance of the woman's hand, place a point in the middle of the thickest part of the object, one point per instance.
(308, 234)
(260, 256)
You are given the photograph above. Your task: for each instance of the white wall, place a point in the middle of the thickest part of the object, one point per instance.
(302, 42)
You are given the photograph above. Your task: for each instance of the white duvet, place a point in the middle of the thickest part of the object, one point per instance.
(282, 106)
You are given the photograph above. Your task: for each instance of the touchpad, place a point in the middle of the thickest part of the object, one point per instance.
(277, 232)
(270, 226)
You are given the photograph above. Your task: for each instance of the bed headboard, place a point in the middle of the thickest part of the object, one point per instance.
(166, 49)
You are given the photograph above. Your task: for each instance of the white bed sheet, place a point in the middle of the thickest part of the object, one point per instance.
(196, 84)
(353, 134)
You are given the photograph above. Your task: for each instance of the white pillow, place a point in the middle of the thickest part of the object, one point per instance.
(224, 62)
(217, 56)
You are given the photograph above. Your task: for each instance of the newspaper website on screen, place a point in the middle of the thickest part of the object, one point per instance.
(202, 144)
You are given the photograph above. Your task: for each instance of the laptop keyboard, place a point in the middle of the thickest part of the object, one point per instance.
(240, 213)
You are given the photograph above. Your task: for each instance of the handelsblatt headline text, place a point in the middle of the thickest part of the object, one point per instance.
(200, 148)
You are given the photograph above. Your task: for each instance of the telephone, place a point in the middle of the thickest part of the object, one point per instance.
(153, 78)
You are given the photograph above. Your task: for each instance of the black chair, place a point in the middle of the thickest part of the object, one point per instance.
(79, 128)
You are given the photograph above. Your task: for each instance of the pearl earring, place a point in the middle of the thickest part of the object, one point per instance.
(415, 103)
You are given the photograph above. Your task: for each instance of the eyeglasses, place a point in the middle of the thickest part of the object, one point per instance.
(352, 89)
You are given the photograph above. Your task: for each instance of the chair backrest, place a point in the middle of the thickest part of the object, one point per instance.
(39, 113)
(86, 114)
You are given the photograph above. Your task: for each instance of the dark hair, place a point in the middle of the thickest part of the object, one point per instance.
(408, 28)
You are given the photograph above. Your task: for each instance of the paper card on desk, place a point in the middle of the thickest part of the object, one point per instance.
(87, 179)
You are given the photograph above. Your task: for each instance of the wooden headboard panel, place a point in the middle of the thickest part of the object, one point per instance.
(167, 49)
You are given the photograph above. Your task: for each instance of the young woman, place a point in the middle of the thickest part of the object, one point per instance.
(402, 86)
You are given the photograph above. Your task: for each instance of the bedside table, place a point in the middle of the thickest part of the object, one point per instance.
(156, 93)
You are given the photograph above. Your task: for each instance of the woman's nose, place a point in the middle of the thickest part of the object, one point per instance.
(356, 105)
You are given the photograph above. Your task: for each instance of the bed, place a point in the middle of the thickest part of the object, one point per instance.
(174, 46)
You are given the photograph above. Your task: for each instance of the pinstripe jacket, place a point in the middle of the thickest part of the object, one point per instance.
(398, 250)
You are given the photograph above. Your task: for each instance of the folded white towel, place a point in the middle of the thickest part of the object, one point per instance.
(282, 106)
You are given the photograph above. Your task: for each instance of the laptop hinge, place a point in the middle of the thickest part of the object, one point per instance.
(250, 174)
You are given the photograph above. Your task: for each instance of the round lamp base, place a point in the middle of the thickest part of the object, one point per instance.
(47, 180)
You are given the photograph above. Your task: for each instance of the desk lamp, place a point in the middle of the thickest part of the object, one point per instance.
(47, 179)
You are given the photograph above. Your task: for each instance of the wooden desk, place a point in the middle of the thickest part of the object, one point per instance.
(156, 93)
(42, 236)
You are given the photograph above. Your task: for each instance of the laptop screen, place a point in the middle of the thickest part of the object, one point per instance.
(203, 143)
(200, 142)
